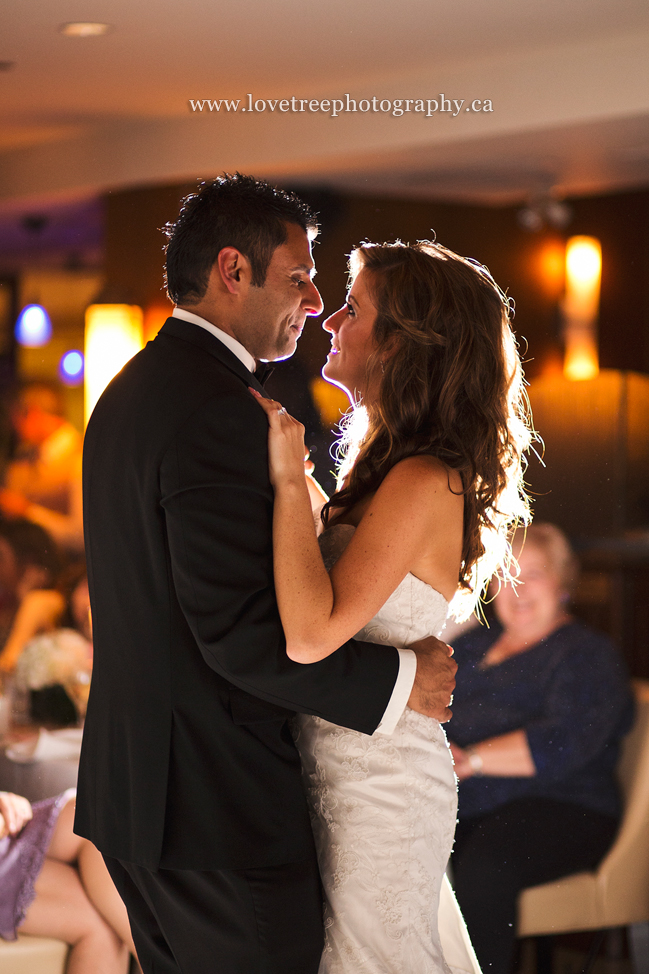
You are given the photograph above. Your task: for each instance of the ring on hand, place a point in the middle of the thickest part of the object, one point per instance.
(281, 410)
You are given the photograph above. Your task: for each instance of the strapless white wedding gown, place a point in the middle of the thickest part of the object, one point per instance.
(383, 810)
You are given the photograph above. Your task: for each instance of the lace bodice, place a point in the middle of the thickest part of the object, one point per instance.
(413, 611)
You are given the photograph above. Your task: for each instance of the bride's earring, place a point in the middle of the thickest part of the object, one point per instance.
(383, 367)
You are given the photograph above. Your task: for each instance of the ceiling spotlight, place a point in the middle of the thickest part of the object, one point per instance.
(83, 28)
(544, 211)
(558, 214)
(529, 218)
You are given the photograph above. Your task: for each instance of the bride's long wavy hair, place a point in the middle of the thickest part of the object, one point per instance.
(450, 385)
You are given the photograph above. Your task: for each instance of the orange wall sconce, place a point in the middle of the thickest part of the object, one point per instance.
(113, 336)
(331, 402)
(155, 316)
(581, 307)
(551, 266)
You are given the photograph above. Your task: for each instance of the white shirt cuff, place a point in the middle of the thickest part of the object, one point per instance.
(400, 693)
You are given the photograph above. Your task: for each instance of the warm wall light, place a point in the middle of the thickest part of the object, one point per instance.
(155, 316)
(552, 268)
(596, 434)
(331, 402)
(84, 28)
(113, 336)
(581, 306)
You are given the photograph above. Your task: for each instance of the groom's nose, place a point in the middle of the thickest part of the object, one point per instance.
(312, 302)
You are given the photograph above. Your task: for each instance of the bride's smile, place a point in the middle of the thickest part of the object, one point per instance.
(352, 341)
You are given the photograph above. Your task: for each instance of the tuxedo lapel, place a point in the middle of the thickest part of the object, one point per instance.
(195, 335)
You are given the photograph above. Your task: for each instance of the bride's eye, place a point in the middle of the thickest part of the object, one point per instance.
(350, 310)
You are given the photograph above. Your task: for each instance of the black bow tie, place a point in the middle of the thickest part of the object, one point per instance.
(263, 372)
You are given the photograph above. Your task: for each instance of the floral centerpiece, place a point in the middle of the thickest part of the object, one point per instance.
(59, 658)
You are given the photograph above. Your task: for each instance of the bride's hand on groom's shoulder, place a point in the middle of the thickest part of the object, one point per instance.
(286, 450)
(432, 691)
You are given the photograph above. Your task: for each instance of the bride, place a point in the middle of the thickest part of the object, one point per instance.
(430, 482)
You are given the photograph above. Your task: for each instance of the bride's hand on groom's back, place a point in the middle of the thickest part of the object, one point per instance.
(432, 690)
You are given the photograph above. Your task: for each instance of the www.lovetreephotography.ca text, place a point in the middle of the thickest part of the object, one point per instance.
(336, 106)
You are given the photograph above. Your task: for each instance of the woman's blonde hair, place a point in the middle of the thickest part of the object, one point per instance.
(554, 546)
(450, 385)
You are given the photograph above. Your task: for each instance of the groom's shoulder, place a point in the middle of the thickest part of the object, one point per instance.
(204, 357)
(168, 388)
(183, 373)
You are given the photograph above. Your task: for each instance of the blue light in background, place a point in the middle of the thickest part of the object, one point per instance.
(33, 328)
(71, 368)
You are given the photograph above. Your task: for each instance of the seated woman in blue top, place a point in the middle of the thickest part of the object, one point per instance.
(539, 711)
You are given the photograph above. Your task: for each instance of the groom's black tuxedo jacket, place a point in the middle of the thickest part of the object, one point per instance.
(187, 759)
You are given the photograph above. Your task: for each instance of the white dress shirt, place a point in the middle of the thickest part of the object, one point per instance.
(407, 659)
(235, 347)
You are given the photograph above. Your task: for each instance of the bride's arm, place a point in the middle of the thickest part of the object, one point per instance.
(409, 514)
(317, 495)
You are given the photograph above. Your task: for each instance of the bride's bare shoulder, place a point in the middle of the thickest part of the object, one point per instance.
(423, 473)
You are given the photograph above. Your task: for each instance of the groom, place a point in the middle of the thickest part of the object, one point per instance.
(189, 781)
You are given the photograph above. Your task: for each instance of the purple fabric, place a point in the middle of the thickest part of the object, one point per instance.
(21, 860)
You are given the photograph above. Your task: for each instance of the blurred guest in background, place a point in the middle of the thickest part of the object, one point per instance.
(43, 482)
(29, 564)
(540, 708)
(55, 884)
(49, 650)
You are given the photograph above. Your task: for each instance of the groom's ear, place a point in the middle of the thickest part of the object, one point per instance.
(233, 269)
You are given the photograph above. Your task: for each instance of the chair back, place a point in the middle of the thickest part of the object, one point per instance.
(625, 870)
(617, 894)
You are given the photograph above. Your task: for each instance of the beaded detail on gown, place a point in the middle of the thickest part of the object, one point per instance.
(383, 811)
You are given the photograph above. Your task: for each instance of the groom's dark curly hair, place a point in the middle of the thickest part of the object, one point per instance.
(230, 211)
